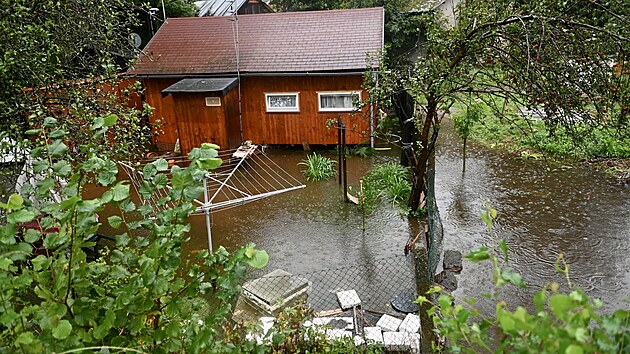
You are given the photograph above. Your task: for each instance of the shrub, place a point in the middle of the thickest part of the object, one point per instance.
(563, 323)
(390, 180)
(318, 167)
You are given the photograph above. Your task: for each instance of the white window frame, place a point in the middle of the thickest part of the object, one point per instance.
(283, 109)
(341, 109)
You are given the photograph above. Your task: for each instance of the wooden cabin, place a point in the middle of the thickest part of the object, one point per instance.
(277, 78)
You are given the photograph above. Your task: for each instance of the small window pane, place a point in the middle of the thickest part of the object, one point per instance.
(282, 102)
(341, 101)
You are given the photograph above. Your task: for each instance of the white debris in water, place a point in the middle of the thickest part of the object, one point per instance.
(411, 324)
(389, 323)
(348, 299)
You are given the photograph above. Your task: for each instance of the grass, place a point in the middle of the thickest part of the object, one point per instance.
(318, 167)
(534, 139)
(391, 181)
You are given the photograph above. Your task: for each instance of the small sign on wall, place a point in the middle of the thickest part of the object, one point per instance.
(213, 101)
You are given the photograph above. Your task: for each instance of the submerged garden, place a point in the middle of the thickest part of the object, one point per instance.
(504, 105)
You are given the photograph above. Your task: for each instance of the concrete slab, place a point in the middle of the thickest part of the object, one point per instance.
(395, 340)
(348, 299)
(389, 323)
(275, 287)
(373, 334)
(410, 324)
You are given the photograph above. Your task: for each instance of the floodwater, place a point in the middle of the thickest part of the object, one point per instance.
(543, 211)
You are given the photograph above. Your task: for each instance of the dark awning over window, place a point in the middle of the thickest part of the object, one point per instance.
(215, 85)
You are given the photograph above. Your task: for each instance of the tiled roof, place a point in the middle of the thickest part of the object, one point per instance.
(315, 41)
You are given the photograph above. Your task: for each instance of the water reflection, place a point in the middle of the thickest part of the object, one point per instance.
(542, 213)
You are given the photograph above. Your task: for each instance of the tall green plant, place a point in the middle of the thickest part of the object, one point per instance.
(318, 167)
(568, 323)
(139, 295)
(390, 181)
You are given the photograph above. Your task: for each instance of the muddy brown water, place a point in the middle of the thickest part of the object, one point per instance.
(543, 211)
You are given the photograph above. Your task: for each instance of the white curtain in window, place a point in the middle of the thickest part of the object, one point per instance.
(337, 101)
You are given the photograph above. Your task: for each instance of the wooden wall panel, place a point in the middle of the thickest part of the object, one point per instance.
(307, 125)
(164, 109)
(198, 123)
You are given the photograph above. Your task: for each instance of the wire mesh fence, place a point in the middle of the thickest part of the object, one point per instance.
(372, 302)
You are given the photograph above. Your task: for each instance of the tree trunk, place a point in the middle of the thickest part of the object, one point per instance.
(404, 109)
(419, 186)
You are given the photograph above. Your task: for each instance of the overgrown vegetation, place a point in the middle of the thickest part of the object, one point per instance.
(512, 131)
(318, 167)
(550, 54)
(390, 181)
(569, 323)
(530, 137)
(134, 295)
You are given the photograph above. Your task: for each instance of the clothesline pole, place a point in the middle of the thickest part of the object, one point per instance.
(207, 212)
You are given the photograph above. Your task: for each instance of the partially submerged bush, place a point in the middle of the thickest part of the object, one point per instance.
(390, 180)
(318, 167)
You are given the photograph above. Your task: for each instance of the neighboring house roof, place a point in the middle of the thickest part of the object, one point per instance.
(229, 7)
(218, 7)
(289, 42)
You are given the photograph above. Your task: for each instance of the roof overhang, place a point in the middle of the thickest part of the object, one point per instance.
(247, 74)
(219, 85)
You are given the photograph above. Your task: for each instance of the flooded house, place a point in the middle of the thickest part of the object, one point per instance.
(275, 78)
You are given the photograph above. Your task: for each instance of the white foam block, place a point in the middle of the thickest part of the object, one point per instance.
(374, 334)
(348, 299)
(411, 323)
(388, 323)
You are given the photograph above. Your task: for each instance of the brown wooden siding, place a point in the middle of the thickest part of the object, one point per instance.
(308, 124)
(259, 126)
(163, 108)
(198, 124)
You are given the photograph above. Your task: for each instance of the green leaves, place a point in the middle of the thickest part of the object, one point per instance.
(256, 258)
(104, 122)
(57, 149)
(21, 216)
(62, 330)
(478, 255)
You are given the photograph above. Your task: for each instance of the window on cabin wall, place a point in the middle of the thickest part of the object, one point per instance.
(283, 102)
(338, 101)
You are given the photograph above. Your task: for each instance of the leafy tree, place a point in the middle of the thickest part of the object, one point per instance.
(48, 44)
(549, 55)
(138, 293)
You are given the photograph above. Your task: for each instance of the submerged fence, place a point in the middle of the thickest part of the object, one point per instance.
(371, 302)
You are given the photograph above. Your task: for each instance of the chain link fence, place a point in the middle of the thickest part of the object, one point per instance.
(372, 302)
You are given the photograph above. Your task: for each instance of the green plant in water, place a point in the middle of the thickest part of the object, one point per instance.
(389, 180)
(318, 167)
(563, 322)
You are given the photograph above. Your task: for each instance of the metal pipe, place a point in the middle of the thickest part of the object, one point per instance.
(207, 212)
